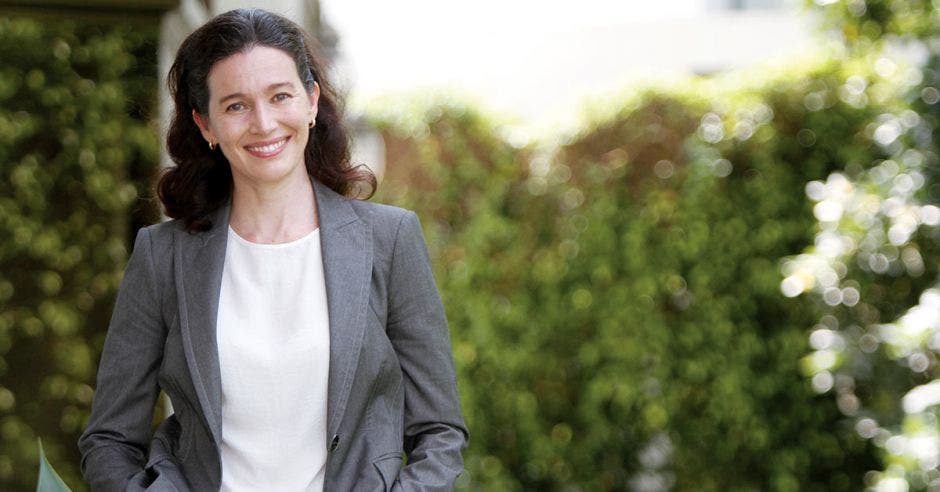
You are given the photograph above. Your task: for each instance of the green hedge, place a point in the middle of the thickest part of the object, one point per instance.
(875, 353)
(76, 139)
(615, 302)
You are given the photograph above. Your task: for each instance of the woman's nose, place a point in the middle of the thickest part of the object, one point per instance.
(262, 120)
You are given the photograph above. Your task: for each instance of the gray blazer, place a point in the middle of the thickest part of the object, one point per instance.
(391, 394)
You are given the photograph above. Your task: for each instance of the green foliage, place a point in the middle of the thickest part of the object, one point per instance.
(74, 106)
(873, 268)
(615, 302)
(862, 23)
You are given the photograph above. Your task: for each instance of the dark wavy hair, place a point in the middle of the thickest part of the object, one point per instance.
(201, 180)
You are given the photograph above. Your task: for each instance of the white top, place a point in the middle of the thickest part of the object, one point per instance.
(274, 353)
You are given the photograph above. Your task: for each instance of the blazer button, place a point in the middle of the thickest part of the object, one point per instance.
(334, 443)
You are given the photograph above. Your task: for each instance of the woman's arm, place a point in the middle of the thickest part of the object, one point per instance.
(114, 444)
(435, 433)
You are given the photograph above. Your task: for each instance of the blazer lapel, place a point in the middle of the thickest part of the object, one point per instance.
(199, 261)
(347, 263)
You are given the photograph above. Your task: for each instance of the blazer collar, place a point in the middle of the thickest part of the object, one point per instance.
(199, 260)
(346, 243)
(346, 246)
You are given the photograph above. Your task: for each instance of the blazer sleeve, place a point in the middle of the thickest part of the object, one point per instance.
(435, 433)
(114, 444)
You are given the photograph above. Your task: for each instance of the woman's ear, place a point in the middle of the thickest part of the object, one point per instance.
(203, 124)
(314, 96)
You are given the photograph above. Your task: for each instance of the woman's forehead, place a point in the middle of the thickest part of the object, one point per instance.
(254, 70)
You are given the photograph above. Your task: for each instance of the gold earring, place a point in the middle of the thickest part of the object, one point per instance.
(312, 123)
(211, 146)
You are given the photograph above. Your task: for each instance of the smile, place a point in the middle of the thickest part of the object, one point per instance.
(267, 149)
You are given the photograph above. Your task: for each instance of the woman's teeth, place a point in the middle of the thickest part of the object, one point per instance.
(267, 149)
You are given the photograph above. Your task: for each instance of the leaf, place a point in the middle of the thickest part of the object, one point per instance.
(49, 480)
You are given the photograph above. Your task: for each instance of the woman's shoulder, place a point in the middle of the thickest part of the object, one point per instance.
(162, 230)
(150, 240)
(212, 223)
(379, 212)
(374, 213)
(388, 223)
(161, 236)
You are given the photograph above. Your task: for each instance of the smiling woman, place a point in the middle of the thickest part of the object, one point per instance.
(260, 117)
(202, 180)
(297, 331)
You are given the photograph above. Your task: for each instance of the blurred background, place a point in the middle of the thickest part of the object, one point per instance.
(687, 246)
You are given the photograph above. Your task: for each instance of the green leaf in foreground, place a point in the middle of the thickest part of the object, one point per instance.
(49, 480)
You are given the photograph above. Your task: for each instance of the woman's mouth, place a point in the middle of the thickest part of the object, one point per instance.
(267, 149)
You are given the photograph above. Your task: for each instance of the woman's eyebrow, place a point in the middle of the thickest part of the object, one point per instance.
(239, 95)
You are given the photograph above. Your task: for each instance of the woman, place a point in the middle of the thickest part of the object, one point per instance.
(297, 332)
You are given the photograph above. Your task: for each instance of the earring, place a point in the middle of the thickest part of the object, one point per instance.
(211, 146)
(312, 123)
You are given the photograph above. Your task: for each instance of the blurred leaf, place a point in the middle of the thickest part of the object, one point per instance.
(49, 480)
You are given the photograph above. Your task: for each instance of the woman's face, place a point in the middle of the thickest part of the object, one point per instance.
(259, 114)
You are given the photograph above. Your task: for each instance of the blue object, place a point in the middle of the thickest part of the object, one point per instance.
(49, 480)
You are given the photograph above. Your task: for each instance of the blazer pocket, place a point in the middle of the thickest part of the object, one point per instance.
(163, 472)
(159, 475)
(165, 476)
(388, 466)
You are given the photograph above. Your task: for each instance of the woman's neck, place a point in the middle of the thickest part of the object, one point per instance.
(272, 215)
